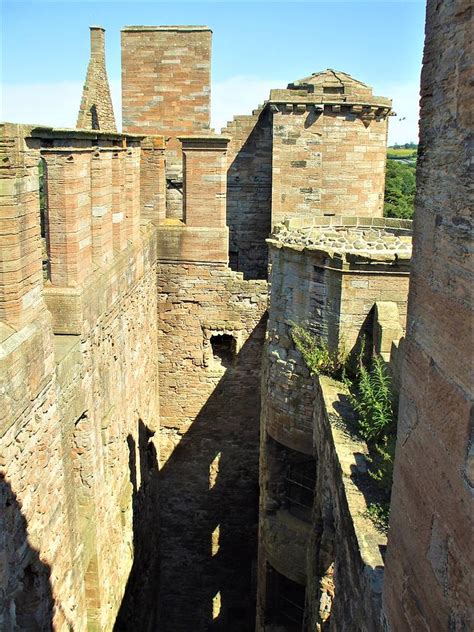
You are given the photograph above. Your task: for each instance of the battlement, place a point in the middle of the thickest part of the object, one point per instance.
(74, 205)
(81, 196)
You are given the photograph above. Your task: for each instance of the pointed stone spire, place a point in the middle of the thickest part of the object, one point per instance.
(96, 111)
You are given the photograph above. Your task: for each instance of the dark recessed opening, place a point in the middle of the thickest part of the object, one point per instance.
(234, 260)
(300, 481)
(333, 90)
(28, 600)
(285, 601)
(44, 220)
(223, 349)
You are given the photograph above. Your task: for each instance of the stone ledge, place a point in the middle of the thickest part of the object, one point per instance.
(285, 539)
(351, 454)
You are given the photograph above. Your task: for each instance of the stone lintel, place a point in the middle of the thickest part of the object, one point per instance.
(204, 142)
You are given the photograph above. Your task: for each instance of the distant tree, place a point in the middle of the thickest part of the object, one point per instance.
(400, 185)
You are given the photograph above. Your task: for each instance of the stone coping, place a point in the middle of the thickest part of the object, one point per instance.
(180, 27)
(204, 141)
(29, 130)
(351, 453)
(373, 238)
(348, 220)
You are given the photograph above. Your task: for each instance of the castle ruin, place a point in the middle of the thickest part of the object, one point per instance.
(168, 461)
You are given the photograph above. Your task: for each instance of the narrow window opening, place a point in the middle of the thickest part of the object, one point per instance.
(285, 602)
(300, 481)
(44, 220)
(223, 349)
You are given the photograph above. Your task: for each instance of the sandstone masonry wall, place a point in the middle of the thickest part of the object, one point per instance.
(209, 444)
(327, 163)
(429, 567)
(166, 90)
(321, 280)
(73, 460)
(249, 182)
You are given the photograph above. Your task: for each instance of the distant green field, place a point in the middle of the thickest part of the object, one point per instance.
(400, 153)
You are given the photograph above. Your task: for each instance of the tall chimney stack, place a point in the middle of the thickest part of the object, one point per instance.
(96, 111)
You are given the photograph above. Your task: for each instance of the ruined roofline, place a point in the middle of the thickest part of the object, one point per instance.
(185, 28)
(340, 75)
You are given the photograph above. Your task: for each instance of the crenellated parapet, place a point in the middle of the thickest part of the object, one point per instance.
(202, 236)
(20, 263)
(72, 205)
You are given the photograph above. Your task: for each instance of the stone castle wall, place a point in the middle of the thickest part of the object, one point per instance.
(130, 352)
(211, 333)
(429, 569)
(249, 186)
(209, 445)
(316, 550)
(75, 407)
(327, 163)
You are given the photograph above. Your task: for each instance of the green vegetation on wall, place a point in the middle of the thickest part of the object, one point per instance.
(371, 398)
(400, 182)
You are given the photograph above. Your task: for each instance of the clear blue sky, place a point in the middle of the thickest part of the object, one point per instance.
(256, 45)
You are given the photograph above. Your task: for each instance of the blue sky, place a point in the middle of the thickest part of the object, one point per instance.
(256, 46)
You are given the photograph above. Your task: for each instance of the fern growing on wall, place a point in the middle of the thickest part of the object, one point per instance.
(372, 401)
(371, 397)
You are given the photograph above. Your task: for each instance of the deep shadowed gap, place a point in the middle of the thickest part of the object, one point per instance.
(26, 601)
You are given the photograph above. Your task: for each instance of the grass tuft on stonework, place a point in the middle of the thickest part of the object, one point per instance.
(318, 357)
(371, 397)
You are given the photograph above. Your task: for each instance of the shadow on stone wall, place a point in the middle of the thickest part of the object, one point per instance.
(26, 601)
(209, 507)
(249, 191)
(138, 608)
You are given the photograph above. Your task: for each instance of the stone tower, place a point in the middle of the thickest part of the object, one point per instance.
(96, 111)
(166, 90)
